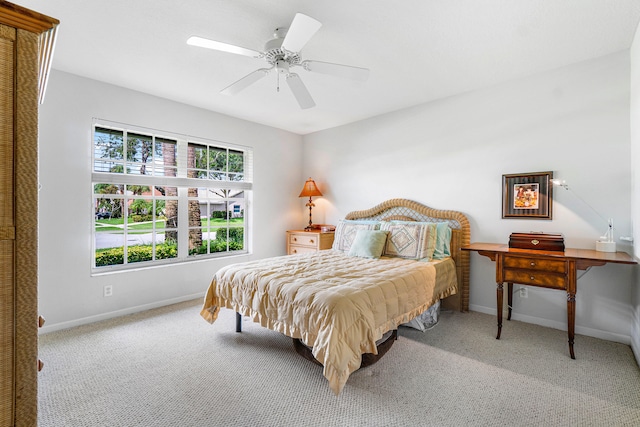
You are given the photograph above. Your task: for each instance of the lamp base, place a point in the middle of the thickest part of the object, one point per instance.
(606, 246)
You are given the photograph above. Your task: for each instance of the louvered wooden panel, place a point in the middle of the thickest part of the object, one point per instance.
(7, 229)
(7, 40)
(6, 333)
(26, 220)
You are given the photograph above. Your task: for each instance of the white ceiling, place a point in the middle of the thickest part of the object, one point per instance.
(417, 50)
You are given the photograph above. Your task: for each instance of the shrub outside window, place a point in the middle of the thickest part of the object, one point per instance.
(161, 198)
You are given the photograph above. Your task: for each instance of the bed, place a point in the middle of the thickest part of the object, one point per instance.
(344, 304)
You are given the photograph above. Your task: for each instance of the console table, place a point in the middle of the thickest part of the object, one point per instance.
(547, 269)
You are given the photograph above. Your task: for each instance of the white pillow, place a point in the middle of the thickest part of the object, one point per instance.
(346, 231)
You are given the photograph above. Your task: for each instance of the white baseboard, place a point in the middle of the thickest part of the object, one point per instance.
(110, 315)
(581, 330)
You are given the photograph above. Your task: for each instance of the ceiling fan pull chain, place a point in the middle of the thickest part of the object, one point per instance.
(278, 82)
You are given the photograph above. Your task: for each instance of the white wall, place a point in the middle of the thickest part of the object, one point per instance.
(68, 294)
(635, 185)
(451, 154)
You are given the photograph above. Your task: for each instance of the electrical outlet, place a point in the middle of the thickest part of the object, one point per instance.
(108, 290)
(524, 293)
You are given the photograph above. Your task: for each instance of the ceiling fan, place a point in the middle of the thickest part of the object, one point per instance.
(283, 53)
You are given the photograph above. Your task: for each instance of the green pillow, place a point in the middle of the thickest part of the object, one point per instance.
(368, 243)
(443, 241)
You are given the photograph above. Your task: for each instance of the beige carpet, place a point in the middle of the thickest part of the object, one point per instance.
(168, 367)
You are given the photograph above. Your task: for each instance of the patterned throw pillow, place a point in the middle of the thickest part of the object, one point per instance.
(346, 231)
(410, 240)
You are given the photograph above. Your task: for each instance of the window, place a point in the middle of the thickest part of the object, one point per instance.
(162, 198)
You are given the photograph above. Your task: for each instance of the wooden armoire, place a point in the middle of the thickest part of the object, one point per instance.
(26, 44)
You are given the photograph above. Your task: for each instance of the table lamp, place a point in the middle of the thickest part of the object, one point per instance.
(309, 190)
(606, 243)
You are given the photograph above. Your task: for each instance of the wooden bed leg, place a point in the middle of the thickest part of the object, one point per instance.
(238, 322)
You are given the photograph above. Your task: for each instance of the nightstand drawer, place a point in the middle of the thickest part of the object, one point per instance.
(304, 240)
(535, 278)
(295, 249)
(551, 265)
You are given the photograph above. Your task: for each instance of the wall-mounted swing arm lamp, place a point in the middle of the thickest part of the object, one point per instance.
(606, 243)
(309, 190)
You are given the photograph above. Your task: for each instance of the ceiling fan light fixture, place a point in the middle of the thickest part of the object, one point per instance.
(282, 66)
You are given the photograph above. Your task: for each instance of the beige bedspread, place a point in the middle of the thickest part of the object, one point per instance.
(337, 304)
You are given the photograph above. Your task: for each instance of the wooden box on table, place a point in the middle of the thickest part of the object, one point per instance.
(537, 241)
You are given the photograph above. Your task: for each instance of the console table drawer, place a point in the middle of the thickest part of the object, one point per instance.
(535, 278)
(551, 265)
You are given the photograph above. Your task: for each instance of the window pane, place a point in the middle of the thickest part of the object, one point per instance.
(236, 238)
(139, 252)
(236, 161)
(105, 206)
(171, 213)
(159, 211)
(196, 161)
(236, 211)
(166, 248)
(166, 157)
(195, 203)
(139, 154)
(109, 234)
(217, 160)
(220, 244)
(108, 149)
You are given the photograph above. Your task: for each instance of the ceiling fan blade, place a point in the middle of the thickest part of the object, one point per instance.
(346, 71)
(302, 28)
(300, 91)
(245, 82)
(224, 47)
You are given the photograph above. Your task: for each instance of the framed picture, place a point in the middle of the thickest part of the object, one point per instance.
(527, 195)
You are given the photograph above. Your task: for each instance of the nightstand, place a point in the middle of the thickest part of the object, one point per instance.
(300, 241)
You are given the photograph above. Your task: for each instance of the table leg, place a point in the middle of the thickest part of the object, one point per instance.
(509, 299)
(571, 314)
(499, 295)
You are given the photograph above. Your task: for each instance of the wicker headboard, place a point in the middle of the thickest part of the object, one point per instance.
(408, 210)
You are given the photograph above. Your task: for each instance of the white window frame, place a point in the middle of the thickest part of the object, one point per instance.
(180, 181)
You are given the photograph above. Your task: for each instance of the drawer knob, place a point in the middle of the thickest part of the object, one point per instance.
(294, 251)
(311, 241)
(533, 264)
(295, 239)
(40, 365)
(40, 321)
(534, 242)
(532, 278)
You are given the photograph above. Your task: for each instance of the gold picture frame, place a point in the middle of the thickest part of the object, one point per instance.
(527, 195)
